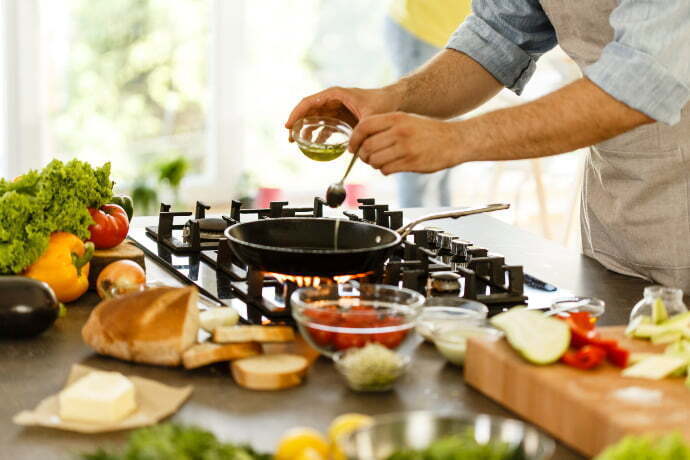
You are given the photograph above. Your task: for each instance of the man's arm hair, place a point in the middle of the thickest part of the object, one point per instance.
(448, 85)
(575, 116)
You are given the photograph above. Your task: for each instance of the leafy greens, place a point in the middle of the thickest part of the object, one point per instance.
(37, 204)
(176, 442)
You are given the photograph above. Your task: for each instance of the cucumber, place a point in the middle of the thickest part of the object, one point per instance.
(538, 338)
(637, 357)
(681, 318)
(645, 331)
(655, 367)
(666, 336)
(659, 312)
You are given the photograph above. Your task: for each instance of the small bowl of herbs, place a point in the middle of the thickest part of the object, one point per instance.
(373, 367)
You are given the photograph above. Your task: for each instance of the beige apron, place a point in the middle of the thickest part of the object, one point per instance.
(635, 214)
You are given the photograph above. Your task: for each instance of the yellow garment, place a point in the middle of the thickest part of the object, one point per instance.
(430, 20)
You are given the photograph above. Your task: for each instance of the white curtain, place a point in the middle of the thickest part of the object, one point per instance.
(21, 134)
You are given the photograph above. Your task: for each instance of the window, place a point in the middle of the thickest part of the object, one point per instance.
(127, 82)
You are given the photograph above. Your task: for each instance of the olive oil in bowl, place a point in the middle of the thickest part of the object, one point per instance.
(322, 138)
(323, 152)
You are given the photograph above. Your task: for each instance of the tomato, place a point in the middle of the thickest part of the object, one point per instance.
(360, 317)
(119, 278)
(343, 341)
(110, 227)
(390, 339)
(328, 316)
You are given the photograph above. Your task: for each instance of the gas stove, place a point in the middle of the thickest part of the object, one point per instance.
(430, 261)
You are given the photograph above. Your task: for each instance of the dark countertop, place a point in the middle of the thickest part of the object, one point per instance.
(32, 369)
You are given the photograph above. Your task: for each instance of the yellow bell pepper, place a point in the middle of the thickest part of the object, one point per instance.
(64, 266)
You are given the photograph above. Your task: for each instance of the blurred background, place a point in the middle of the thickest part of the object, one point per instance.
(187, 99)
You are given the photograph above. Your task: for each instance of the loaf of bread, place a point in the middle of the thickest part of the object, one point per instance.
(155, 326)
(204, 354)
(262, 334)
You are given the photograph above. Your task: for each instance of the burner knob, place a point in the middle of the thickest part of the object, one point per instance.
(444, 283)
(459, 247)
(444, 240)
(431, 234)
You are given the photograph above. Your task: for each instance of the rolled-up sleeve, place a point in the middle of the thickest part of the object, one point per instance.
(647, 65)
(506, 38)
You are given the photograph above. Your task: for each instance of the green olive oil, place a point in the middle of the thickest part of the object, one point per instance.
(323, 152)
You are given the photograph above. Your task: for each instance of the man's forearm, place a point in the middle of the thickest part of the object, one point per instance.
(448, 85)
(578, 115)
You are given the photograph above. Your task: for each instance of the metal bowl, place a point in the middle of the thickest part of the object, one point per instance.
(416, 430)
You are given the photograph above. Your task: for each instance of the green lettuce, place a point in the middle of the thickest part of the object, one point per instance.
(42, 202)
(175, 442)
(669, 447)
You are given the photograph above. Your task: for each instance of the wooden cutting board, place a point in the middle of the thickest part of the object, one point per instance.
(126, 250)
(584, 409)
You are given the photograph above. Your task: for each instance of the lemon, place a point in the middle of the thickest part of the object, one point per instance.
(310, 454)
(296, 441)
(343, 425)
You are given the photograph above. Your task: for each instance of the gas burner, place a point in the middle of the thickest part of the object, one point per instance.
(430, 261)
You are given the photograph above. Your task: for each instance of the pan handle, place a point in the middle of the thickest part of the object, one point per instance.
(454, 214)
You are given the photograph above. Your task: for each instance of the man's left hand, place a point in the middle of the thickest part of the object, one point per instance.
(396, 142)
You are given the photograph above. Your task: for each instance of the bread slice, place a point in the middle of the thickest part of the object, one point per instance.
(262, 334)
(270, 372)
(154, 326)
(209, 353)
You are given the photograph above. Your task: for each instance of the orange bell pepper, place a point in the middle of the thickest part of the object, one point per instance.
(64, 265)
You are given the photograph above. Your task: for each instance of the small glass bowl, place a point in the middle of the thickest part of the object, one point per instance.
(322, 138)
(595, 307)
(337, 317)
(371, 382)
(443, 310)
(672, 300)
(451, 338)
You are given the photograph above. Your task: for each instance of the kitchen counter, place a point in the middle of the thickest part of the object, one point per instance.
(32, 369)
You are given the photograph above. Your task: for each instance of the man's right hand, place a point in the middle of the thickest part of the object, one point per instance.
(347, 104)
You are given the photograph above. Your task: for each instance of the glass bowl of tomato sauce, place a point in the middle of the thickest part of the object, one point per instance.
(338, 317)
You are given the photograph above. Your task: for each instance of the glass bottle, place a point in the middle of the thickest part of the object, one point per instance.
(672, 298)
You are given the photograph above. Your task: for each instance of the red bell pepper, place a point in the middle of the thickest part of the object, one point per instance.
(587, 357)
(581, 319)
(583, 332)
(618, 356)
(583, 335)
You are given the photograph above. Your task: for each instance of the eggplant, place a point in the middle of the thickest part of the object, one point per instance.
(27, 306)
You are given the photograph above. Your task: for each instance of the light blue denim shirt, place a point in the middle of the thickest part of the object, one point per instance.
(646, 66)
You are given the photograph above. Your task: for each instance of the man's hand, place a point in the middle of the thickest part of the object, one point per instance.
(347, 104)
(398, 142)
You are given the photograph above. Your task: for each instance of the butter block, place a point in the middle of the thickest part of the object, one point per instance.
(102, 397)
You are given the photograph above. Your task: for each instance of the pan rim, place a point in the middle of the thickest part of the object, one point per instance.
(237, 241)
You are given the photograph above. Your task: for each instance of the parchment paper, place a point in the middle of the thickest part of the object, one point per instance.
(155, 401)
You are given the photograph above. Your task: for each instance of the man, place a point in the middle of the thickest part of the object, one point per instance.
(415, 31)
(630, 107)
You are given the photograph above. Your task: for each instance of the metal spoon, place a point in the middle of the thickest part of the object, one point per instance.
(335, 195)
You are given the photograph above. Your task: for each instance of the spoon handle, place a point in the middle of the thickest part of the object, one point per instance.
(349, 167)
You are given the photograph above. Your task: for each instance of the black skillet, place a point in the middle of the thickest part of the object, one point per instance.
(305, 245)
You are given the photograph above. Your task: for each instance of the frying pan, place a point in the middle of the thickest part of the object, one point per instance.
(304, 245)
